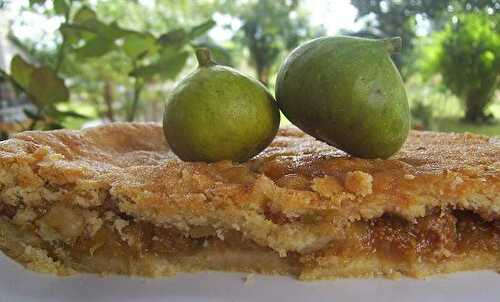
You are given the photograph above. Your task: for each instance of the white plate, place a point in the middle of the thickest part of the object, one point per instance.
(17, 284)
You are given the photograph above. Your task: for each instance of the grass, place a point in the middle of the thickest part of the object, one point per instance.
(77, 123)
(452, 123)
(445, 111)
(455, 124)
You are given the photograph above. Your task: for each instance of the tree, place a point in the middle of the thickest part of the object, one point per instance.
(398, 18)
(41, 83)
(135, 57)
(469, 61)
(267, 29)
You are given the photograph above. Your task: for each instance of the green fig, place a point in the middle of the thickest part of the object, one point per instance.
(347, 92)
(217, 113)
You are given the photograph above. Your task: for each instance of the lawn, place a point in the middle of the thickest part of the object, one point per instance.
(85, 109)
(455, 124)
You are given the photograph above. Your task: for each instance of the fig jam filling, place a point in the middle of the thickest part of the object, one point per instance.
(436, 236)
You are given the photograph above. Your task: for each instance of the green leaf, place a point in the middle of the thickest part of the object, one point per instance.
(70, 34)
(33, 2)
(84, 14)
(174, 65)
(175, 38)
(96, 47)
(167, 68)
(93, 32)
(21, 71)
(61, 7)
(114, 31)
(46, 87)
(73, 33)
(136, 44)
(111, 31)
(201, 29)
(168, 52)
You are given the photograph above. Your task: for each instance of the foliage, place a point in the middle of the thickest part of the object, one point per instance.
(463, 55)
(268, 29)
(116, 55)
(468, 58)
(42, 85)
(398, 18)
(142, 55)
(149, 56)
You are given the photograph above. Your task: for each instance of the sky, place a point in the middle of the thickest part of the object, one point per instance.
(334, 15)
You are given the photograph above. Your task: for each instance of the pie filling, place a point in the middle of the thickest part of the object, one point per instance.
(67, 237)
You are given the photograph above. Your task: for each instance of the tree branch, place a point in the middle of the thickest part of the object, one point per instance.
(62, 49)
(138, 85)
(34, 122)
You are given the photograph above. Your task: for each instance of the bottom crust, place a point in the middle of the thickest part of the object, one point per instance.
(28, 249)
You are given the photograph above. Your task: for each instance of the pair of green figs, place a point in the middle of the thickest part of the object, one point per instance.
(344, 91)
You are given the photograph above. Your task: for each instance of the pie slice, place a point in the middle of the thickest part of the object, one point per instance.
(115, 200)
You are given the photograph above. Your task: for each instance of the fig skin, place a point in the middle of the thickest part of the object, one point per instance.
(217, 113)
(347, 92)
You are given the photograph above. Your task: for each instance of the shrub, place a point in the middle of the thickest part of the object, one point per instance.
(469, 61)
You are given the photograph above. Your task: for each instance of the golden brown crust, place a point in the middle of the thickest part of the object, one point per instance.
(295, 197)
(444, 166)
(132, 162)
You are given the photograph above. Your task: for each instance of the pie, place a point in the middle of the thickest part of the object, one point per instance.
(114, 200)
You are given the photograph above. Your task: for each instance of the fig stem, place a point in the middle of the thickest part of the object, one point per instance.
(204, 57)
(393, 44)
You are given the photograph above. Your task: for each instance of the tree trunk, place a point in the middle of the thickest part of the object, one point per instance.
(109, 100)
(475, 104)
(263, 75)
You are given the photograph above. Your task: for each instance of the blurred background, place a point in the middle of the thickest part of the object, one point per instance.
(76, 63)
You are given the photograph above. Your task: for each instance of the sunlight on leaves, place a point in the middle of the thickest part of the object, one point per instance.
(136, 44)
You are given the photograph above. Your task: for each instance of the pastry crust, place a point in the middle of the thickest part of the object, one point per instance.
(299, 208)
